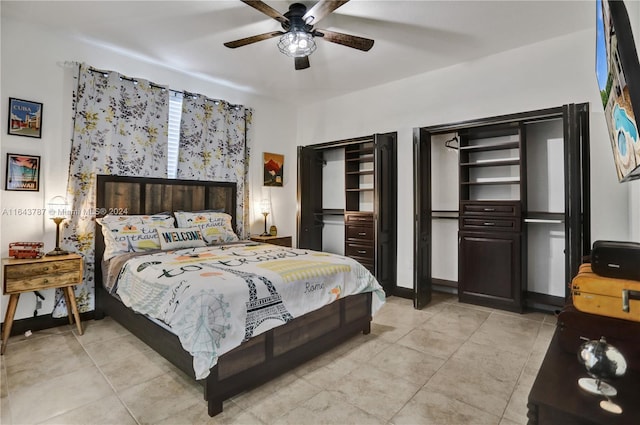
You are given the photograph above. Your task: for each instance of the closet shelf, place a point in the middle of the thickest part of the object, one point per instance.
(360, 173)
(361, 158)
(491, 146)
(360, 189)
(492, 162)
(492, 182)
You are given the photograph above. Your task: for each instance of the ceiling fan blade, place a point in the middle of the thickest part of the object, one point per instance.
(302, 63)
(267, 10)
(354, 41)
(321, 9)
(253, 39)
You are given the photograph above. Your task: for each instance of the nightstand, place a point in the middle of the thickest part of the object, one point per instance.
(35, 274)
(274, 240)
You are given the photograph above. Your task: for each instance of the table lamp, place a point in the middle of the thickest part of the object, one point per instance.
(265, 208)
(58, 210)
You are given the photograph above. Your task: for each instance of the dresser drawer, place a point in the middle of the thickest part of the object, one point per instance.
(42, 275)
(490, 224)
(491, 208)
(360, 250)
(360, 233)
(359, 218)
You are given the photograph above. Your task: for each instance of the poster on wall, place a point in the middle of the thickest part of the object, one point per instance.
(23, 172)
(273, 169)
(25, 118)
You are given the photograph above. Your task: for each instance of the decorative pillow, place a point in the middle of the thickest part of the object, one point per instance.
(118, 218)
(160, 219)
(175, 238)
(215, 226)
(131, 236)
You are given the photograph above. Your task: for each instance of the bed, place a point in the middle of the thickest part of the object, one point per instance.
(257, 359)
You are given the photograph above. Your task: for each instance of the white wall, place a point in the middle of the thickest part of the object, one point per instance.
(633, 8)
(542, 75)
(31, 70)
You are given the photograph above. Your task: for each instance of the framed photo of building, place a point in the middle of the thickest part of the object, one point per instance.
(25, 118)
(273, 169)
(23, 173)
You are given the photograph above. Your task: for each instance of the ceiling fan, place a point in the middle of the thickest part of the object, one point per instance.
(297, 39)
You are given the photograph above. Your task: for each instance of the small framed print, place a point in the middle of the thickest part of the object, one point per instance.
(25, 118)
(273, 169)
(23, 172)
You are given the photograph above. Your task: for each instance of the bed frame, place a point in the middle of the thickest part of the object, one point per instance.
(255, 361)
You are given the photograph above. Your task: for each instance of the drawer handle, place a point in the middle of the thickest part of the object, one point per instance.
(489, 209)
(488, 223)
(628, 294)
(45, 281)
(362, 233)
(361, 251)
(46, 269)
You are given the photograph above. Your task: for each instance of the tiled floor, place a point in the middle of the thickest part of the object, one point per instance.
(450, 363)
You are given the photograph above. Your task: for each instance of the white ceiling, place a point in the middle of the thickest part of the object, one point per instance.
(411, 37)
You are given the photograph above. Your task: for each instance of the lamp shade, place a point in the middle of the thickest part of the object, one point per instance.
(265, 206)
(297, 44)
(58, 207)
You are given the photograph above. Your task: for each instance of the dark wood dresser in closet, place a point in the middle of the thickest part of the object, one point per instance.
(360, 238)
(368, 197)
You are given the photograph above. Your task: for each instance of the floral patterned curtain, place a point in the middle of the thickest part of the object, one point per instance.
(120, 128)
(214, 145)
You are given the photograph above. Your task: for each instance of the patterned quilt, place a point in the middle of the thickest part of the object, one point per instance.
(214, 298)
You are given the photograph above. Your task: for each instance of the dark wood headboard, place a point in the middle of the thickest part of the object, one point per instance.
(121, 195)
(146, 195)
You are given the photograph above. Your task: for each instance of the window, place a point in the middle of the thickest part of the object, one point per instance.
(175, 113)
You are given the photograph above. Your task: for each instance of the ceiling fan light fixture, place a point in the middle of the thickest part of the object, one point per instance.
(297, 44)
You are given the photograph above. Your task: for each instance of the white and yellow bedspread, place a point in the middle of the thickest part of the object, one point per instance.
(214, 298)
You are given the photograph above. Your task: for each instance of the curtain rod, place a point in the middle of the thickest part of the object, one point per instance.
(173, 91)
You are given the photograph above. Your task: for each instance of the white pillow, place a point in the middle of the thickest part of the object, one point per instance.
(175, 238)
(163, 219)
(132, 234)
(215, 226)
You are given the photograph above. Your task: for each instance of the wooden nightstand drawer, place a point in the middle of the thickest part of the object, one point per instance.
(273, 240)
(25, 275)
(50, 280)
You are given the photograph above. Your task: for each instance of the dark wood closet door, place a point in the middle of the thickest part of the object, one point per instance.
(310, 198)
(577, 184)
(422, 213)
(385, 205)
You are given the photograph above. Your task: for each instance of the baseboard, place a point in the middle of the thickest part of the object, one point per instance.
(543, 302)
(403, 292)
(444, 282)
(46, 321)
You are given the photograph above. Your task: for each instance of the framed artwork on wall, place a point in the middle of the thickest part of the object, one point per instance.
(25, 118)
(23, 173)
(273, 169)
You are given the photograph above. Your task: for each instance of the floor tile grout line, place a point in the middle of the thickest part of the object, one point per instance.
(524, 366)
(443, 363)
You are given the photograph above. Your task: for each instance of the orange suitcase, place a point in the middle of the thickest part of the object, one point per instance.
(619, 298)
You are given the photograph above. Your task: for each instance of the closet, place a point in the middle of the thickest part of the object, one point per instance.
(347, 192)
(520, 223)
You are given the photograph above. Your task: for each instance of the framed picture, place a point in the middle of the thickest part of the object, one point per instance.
(25, 118)
(23, 172)
(273, 169)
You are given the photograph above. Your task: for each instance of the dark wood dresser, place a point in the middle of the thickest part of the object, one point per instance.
(360, 238)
